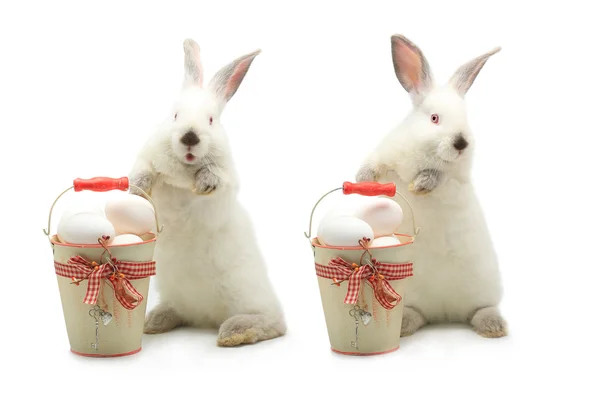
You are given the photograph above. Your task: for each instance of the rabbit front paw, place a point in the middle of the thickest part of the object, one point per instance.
(206, 182)
(425, 181)
(367, 173)
(143, 181)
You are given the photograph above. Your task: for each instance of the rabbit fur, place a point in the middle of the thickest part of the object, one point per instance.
(429, 158)
(210, 271)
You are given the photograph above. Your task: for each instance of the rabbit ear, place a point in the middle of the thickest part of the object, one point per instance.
(412, 68)
(226, 82)
(465, 75)
(193, 71)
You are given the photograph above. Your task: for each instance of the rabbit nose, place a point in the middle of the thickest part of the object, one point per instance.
(190, 139)
(460, 143)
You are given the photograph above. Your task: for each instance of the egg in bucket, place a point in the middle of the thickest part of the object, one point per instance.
(104, 286)
(361, 286)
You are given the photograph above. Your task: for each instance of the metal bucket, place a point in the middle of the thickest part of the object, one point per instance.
(361, 288)
(103, 288)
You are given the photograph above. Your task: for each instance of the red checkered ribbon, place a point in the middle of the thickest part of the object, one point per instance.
(375, 273)
(79, 269)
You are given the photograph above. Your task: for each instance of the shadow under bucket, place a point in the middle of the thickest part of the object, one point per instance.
(362, 288)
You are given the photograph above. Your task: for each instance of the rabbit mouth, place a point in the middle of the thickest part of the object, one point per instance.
(189, 157)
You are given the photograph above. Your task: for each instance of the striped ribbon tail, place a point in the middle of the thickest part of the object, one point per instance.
(385, 293)
(94, 276)
(354, 283)
(125, 293)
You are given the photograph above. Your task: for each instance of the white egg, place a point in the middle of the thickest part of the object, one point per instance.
(343, 231)
(126, 238)
(384, 215)
(347, 207)
(84, 228)
(384, 241)
(130, 214)
(332, 214)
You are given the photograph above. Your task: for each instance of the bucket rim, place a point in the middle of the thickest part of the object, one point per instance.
(315, 243)
(54, 241)
(92, 355)
(357, 353)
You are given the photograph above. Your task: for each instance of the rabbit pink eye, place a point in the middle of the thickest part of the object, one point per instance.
(435, 118)
(210, 121)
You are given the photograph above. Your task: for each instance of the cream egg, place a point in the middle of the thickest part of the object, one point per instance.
(130, 214)
(126, 238)
(384, 241)
(84, 228)
(343, 231)
(384, 215)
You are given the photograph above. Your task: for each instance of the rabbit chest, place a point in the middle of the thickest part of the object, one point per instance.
(191, 261)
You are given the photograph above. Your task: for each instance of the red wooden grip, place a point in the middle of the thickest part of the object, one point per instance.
(101, 184)
(370, 188)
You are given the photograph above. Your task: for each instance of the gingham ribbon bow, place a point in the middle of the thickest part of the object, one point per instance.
(79, 269)
(375, 273)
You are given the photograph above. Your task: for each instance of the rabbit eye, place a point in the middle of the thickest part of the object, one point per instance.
(210, 121)
(435, 118)
(175, 117)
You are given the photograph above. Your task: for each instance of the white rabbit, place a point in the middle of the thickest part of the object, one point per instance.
(210, 271)
(429, 157)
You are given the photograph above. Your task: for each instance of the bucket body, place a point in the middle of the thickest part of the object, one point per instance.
(382, 333)
(123, 334)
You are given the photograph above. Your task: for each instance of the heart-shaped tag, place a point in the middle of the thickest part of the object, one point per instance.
(106, 318)
(366, 317)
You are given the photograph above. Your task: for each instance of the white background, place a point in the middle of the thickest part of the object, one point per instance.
(83, 83)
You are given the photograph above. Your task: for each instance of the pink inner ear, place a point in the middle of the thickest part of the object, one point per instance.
(409, 63)
(236, 78)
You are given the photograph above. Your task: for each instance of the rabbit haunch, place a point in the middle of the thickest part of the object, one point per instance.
(210, 272)
(429, 157)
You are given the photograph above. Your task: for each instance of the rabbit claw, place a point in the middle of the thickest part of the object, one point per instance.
(425, 182)
(143, 181)
(366, 173)
(206, 182)
(420, 191)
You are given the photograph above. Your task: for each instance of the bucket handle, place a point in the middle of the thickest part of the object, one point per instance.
(102, 184)
(366, 189)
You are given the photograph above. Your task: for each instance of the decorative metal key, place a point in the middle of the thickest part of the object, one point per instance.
(359, 314)
(99, 315)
